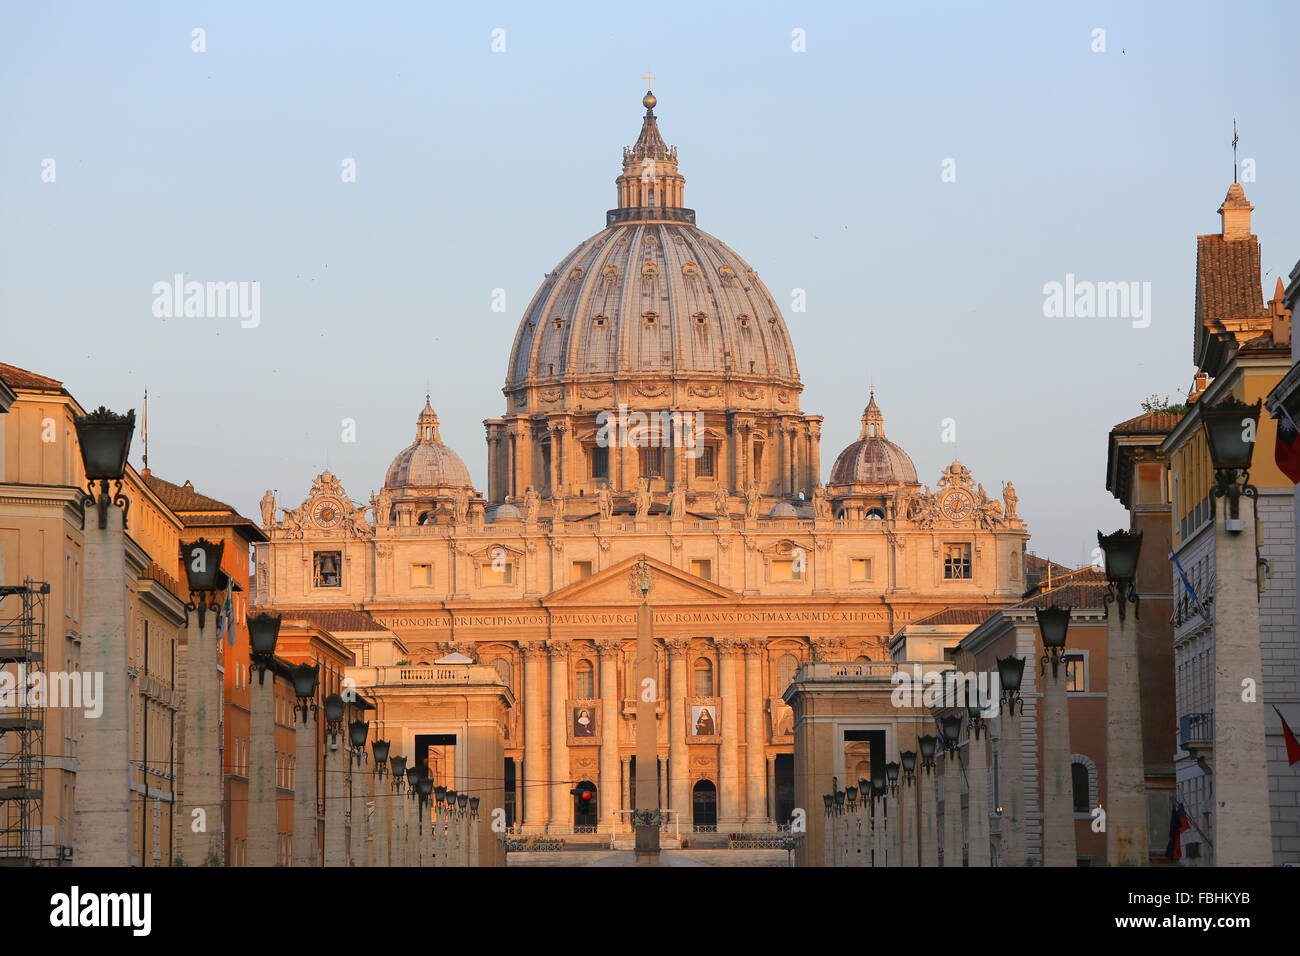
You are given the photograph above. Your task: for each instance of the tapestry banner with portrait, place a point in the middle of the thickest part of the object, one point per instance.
(584, 722)
(703, 720)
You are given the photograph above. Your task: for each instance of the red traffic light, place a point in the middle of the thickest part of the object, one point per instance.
(582, 793)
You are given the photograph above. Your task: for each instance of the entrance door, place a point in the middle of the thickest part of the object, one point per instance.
(584, 821)
(783, 771)
(704, 807)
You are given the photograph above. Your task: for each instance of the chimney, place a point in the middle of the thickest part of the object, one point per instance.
(1280, 315)
(1235, 213)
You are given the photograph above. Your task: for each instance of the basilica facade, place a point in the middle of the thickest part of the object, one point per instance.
(652, 411)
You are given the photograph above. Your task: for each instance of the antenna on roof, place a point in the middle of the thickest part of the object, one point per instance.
(144, 429)
(1234, 149)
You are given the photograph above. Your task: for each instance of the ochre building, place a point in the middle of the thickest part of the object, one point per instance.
(652, 409)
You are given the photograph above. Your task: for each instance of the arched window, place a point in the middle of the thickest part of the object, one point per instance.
(1079, 780)
(703, 677)
(875, 514)
(585, 685)
(785, 671)
(423, 519)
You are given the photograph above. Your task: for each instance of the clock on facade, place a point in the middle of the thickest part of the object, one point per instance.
(327, 513)
(957, 505)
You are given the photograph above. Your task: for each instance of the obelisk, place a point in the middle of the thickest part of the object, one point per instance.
(646, 817)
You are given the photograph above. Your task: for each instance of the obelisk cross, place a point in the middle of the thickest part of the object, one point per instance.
(647, 814)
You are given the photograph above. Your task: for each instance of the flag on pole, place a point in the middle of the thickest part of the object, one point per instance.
(1292, 745)
(1188, 584)
(1286, 450)
(225, 627)
(938, 736)
(1178, 825)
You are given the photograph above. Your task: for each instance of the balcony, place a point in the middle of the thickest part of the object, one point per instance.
(1196, 732)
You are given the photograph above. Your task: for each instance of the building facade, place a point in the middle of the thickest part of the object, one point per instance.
(652, 408)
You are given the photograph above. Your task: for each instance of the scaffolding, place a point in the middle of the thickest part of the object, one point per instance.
(22, 724)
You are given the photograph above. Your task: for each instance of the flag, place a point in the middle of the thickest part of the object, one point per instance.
(225, 619)
(1178, 825)
(1286, 449)
(938, 736)
(1292, 745)
(1188, 584)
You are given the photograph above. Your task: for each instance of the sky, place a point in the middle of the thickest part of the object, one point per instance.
(921, 171)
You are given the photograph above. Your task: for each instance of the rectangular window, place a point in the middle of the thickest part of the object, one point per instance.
(702, 569)
(787, 570)
(581, 570)
(327, 569)
(650, 462)
(498, 574)
(421, 575)
(704, 464)
(600, 462)
(860, 569)
(1075, 681)
(956, 561)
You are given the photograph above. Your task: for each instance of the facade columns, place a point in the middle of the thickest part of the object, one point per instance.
(929, 809)
(1015, 849)
(357, 811)
(907, 789)
(1242, 827)
(679, 794)
(263, 814)
(336, 836)
(977, 830)
(729, 758)
(306, 851)
(1127, 840)
(627, 778)
(1059, 848)
(952, 828)
(610, 721)
(561, 802)
(771, 790)
(101, 821)
(755, 771)
(201, 783)
(531, 781)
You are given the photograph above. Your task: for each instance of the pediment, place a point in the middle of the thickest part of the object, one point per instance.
(619, 585)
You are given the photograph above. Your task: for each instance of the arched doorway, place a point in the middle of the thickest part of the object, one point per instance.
(584, 820)
(704, 806)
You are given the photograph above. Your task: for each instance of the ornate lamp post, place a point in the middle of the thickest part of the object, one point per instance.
(383, 813)
(1242, 827)
(929, 825)
(910, 848)
(1014, 848)
(893, 815)
(336, 844)
(1059, 846)
(1127, 840)
(305, 678)
(950, 724)
(263, 812)
(101, 820)
(977, 853)
(358, 730)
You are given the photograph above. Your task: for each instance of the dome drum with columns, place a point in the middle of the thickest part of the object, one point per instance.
(747, 580)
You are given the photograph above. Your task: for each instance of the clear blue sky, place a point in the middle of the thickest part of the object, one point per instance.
(478, 171)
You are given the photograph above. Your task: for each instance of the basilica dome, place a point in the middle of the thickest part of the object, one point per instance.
(427, 463)
(873, 459)
(652, 294)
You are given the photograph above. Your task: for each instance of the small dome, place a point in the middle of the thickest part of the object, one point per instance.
(427, 463)
(783, 509)
(506, 512)
(873, 459)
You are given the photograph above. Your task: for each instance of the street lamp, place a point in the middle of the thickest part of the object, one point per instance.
(473, 807)
(828, 799)
(1011, 670)
(263, 633)
(909, 765)
(105, 442)
(1230, 434)
(852, 796)
(306, 677)
(398, 767)
(358, 730)
(1121, 551)
(951, 726)
(462, 800)
(927, 745)
(891, 776)
(380, 749)
(334, 715)
(1053, 622)
(202, 560)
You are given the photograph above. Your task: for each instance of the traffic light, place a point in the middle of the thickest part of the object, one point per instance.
(584, 796)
